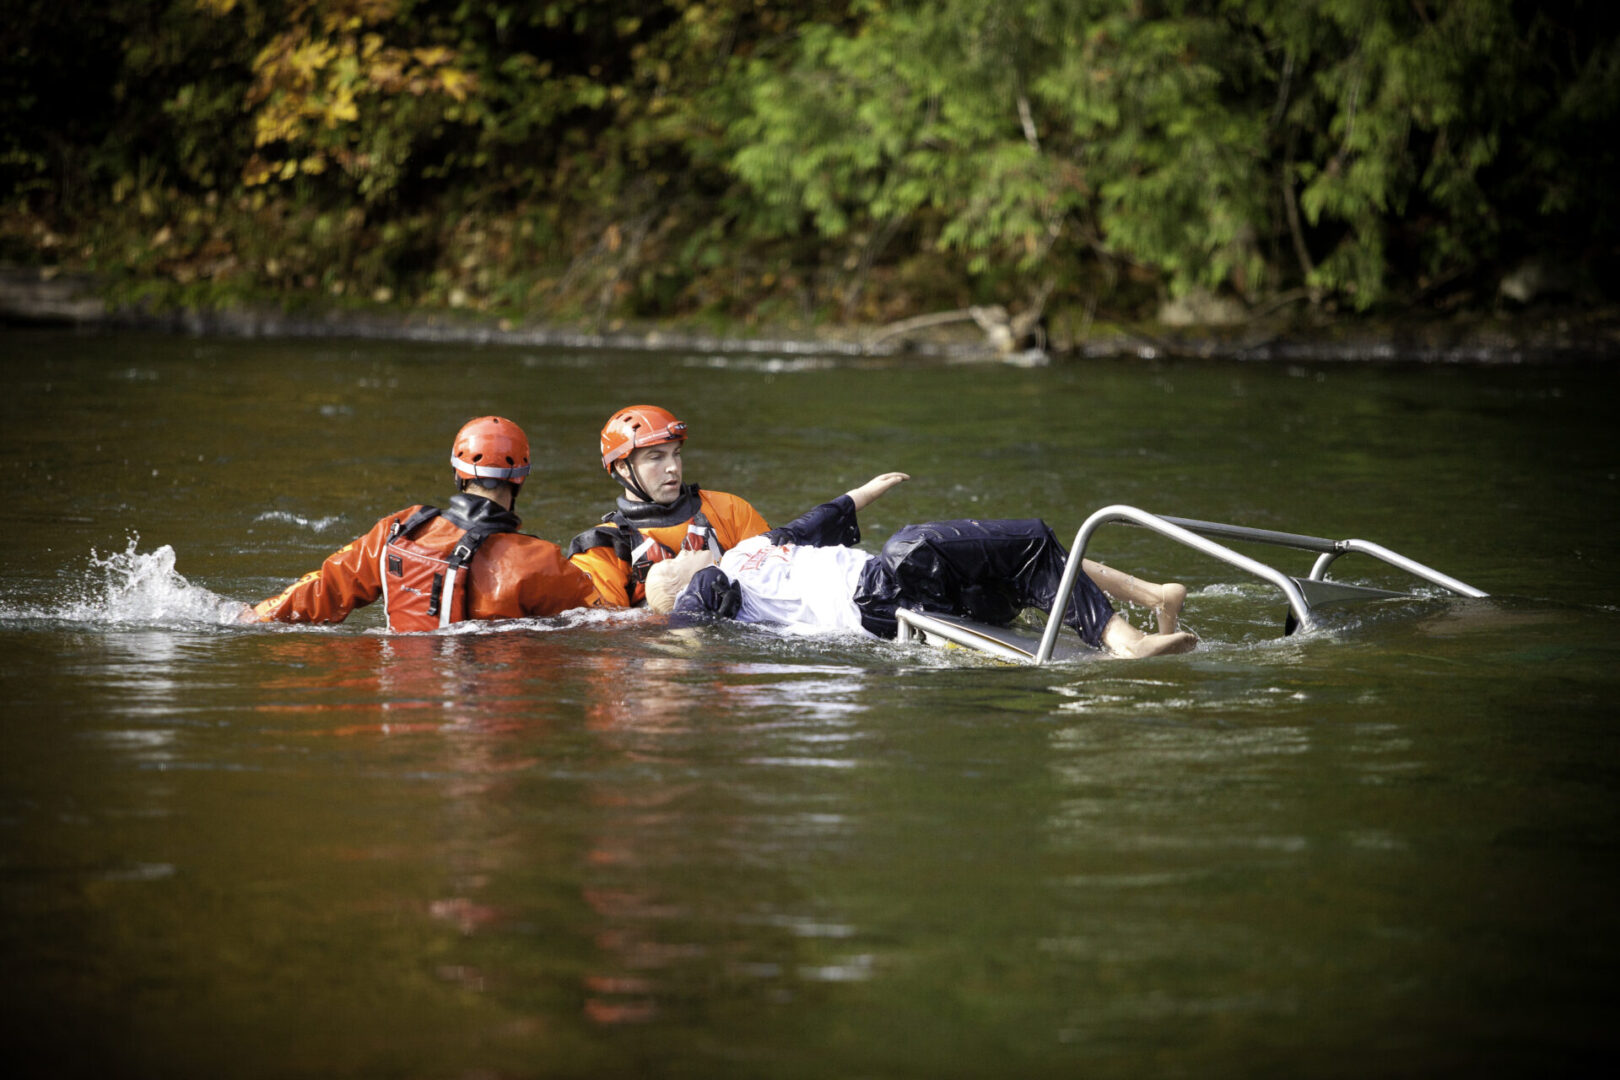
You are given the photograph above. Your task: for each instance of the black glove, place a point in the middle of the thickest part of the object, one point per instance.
(710, 592)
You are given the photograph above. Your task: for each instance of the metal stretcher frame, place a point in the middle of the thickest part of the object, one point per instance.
(1301, 593)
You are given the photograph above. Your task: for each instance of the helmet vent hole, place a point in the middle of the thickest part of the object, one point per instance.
(478, 457)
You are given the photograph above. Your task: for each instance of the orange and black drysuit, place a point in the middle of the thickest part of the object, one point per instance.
(436, 567)
(618, 553)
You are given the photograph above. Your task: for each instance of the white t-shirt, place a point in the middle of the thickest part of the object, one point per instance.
(807, 590)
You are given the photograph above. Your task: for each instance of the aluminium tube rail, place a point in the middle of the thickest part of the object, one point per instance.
(1417, 569)
(1196, 535)
(1164, 527)
(1329, 551)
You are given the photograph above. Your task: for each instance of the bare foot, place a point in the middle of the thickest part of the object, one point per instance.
(1124, 640)
(1163, 644)
(1172, 596)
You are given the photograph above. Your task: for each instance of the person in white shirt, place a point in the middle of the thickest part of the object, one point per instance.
(807, 577)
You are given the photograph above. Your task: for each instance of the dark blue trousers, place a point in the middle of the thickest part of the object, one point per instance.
(988, 571)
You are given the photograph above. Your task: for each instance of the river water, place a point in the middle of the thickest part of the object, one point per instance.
(585, 847)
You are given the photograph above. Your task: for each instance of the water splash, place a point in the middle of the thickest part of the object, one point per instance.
(316, 525)
(135, 588)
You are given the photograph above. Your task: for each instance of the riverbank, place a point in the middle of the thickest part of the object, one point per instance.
(32, 297)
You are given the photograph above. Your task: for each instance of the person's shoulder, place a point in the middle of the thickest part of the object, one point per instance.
(387, 521)
(726, 500)
(523, 545)
(521, 539)
(606, 535)
(733, 517)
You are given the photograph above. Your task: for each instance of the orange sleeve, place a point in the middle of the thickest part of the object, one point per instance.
(734, 519)
(349, 578)
(608, 573)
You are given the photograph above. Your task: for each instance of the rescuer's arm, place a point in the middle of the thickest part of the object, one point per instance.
(348, 579)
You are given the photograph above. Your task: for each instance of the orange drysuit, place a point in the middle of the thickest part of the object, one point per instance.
(616, 554)
(512, 575)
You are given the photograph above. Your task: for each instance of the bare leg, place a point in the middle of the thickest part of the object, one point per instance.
(1165, 600)
(1123, 639)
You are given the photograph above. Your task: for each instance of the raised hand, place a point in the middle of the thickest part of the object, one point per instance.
(876, 486)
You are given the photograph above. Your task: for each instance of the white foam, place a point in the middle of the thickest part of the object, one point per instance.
(317, 525)
(135, 588)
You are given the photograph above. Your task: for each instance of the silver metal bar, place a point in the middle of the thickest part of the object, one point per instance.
(1178, 532)
(1258, 536)
(1411, 566)
(1330, 550)
(1319, 569)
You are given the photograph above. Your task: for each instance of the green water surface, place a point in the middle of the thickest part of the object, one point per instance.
(582, 847)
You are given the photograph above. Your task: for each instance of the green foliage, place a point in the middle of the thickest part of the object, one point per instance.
(1164, 135)
(1388, 103)
(870, 158)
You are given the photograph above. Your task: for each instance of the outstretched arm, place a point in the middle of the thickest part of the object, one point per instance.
(347, 579)
(833, 524)
(863, 495)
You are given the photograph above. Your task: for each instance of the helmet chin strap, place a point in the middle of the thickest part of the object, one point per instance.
(632, 485)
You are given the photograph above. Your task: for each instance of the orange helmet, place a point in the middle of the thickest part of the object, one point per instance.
(636, 426)
(491, 448)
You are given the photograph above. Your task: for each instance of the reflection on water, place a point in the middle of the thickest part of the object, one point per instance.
(585, 846)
